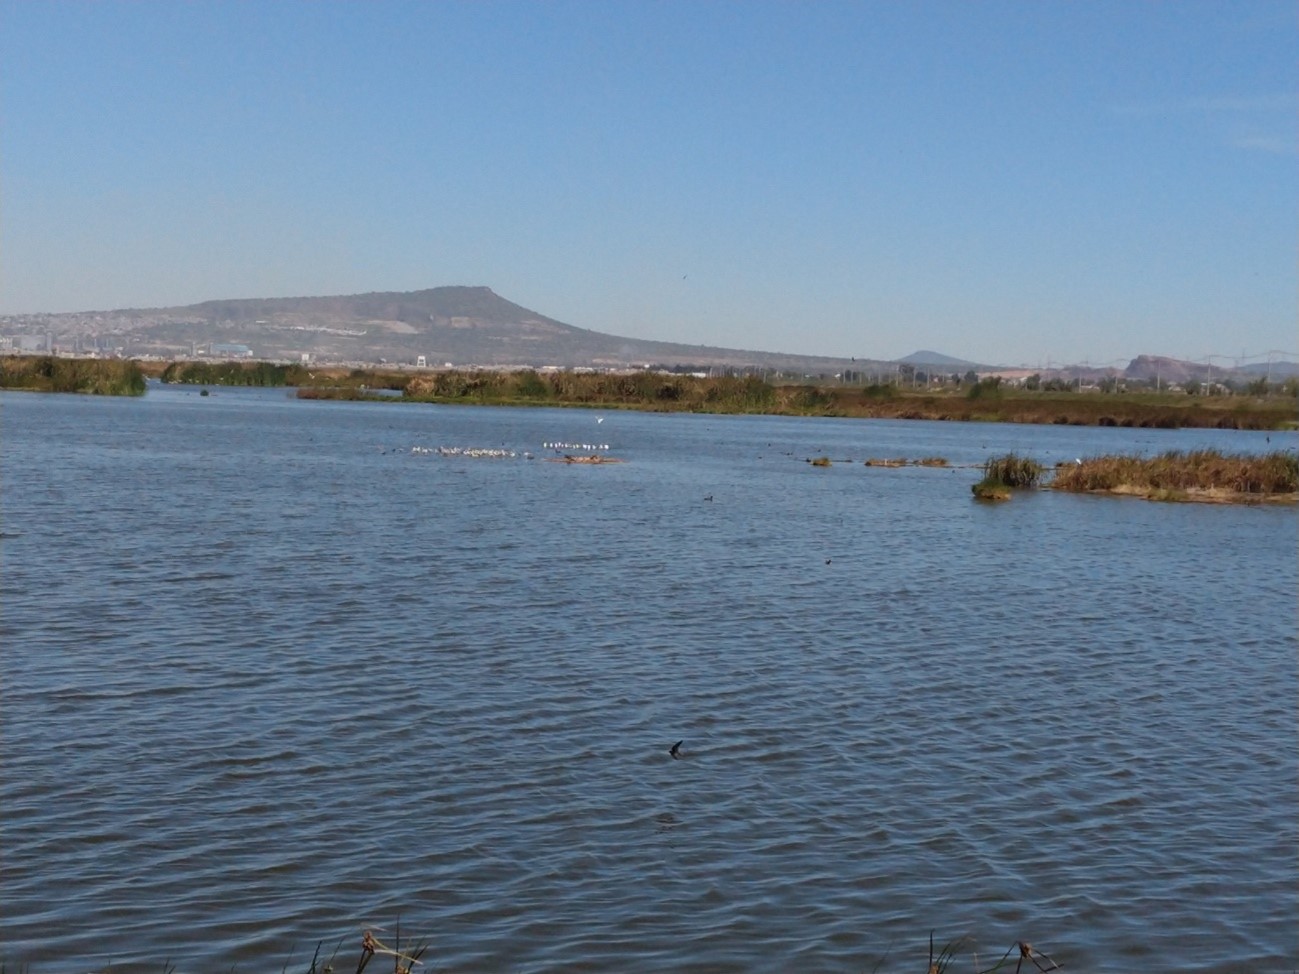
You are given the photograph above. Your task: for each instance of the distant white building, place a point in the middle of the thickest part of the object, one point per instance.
(229, 350)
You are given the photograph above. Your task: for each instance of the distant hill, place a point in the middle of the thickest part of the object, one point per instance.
(936, 360)
(460, 325)
(1179, 371)
(467, 326)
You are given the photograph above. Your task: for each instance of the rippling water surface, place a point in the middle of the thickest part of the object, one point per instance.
(269, 678)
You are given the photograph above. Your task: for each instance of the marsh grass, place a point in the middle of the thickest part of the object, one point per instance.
(1172, 475)
(654, 391)
(1012, 470)
(95, 377)
(239, 373)
(675, 392)
(1003, 474)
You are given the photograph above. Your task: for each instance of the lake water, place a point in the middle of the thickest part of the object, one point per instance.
(271, 678)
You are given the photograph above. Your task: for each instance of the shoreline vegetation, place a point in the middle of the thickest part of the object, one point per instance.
(660, 392)
(1206, 476)
(94, 377)
(982, 401)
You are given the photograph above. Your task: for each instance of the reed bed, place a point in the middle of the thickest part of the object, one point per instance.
(1004, 474)
(1177, 472)
(652, 391)
(663, 392)
(1012, 470)
(231, 373)
(95, 377)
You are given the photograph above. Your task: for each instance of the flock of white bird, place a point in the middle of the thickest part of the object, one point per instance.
(492, 453)
(576, 446)
(501, 453)
(466, 451)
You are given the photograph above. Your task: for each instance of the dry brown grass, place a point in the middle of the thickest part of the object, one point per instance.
(1173, 474)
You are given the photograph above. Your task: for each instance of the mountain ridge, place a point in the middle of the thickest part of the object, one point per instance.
(470, 325)
(459, 324)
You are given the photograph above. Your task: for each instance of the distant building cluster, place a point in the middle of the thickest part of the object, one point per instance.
(228, 350)
(89, 346)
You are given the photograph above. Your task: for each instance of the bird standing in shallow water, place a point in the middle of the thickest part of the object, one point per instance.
(675, 750)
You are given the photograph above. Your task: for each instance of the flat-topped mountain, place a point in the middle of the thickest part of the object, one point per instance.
(468, 326)
(461, 325)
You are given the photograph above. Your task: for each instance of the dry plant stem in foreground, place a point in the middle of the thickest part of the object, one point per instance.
(370, 946)
(947, 955)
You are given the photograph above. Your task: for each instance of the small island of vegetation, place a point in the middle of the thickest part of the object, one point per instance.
(1199, 475)
(1001, 475)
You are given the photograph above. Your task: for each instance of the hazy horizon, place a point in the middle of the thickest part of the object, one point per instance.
(999, 182)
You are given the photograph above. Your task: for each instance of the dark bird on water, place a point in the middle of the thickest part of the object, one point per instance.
(675, 749)
(709, 497)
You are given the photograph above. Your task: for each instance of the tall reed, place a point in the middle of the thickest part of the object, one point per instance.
(1012, 470)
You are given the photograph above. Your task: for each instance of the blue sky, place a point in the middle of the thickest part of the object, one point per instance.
(1010, 182)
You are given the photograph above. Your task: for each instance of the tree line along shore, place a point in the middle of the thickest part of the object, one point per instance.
(981, 401)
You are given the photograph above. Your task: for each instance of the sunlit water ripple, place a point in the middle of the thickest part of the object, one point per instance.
(271, 678)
